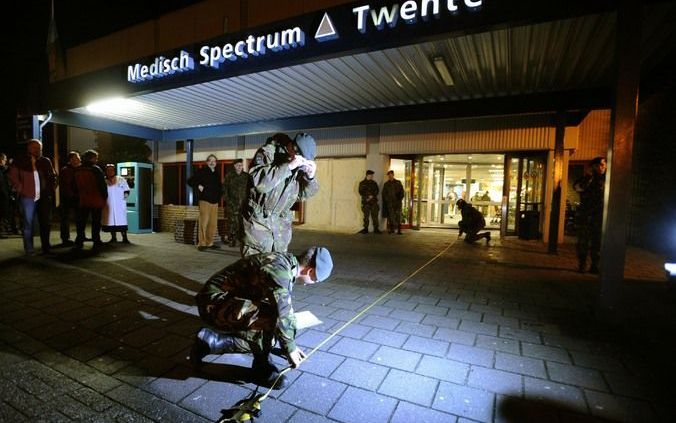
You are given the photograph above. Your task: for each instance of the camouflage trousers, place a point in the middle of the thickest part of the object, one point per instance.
(588, 238)
(393, 219)
(265, 234)
(372, 211)
(252, 325)
(234, 223)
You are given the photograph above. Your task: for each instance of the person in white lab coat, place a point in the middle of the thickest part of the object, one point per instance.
(115, 212)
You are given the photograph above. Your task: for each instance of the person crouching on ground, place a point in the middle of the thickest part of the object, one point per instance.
(472, 222)
(247, 306)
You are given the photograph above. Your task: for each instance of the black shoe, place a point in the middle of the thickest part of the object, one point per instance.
(214, 247)
(201, 248)
(233, 243)
(399, 233)
(581, 267)
(126, 241)
(377, 231)
(488, 238)
(113, 240)
(363, 231)
(67, 243)
(198, 351)
(266, 374)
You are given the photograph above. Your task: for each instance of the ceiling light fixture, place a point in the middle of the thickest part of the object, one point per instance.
(442, 69)
(113, 105)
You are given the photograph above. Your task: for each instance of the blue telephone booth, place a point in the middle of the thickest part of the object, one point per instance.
(139, 176)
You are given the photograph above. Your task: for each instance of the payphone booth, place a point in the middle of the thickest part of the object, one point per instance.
(139, 176)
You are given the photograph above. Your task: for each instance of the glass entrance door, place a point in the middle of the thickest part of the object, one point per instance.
(476, 178)
(524, 192)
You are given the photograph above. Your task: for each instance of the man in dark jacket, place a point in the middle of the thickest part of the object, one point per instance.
(472, 222)
(207, 183)
(34, 180)
(393, 194)
(589, 215)
(69, 201)
(235, 187)
(247, 306)
(92, 193)
(368, 190)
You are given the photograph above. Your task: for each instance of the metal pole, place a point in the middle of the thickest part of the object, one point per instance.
(618, 175)
(555, 215)
(188, 171)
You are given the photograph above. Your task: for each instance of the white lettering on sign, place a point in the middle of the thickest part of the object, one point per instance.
(408, 11)
(213, 56)
(161, 66)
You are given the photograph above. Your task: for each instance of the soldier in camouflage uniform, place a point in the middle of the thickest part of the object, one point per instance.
(235, 188)
(393, 193)
(282, 173)
(589, 215)
(247, 306)
(368, 189)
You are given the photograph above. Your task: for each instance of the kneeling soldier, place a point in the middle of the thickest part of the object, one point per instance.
(248, 307)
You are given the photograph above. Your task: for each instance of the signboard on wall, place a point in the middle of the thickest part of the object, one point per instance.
(341, 25)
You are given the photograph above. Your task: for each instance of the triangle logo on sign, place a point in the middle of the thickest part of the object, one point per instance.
(326, 30)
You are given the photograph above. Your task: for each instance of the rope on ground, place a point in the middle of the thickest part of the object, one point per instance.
(249, 408)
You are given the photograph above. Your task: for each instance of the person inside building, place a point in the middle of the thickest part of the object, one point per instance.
(34, 180)
(207, 185)
(368, 190)
(235, 187)
(68, 200)
(589, 214)
(472, 222)
(248, 308)
(393, 194)
(92, 193)
(115, 212)
(282, 173)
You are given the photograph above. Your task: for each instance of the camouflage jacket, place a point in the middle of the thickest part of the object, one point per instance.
(235, 189)
(393, 193)
(367, 188)
(262, 282)
(275, 187)
(590, 188)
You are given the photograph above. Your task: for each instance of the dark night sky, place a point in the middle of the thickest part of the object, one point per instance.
(77, 21)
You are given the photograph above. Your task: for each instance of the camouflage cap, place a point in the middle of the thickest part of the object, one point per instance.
(323, 264)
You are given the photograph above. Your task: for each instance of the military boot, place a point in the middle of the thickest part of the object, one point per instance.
(266, 373)
(211, 342)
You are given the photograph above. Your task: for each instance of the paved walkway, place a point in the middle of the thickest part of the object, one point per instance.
(504, 333)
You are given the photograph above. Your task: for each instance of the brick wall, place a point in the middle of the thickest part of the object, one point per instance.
(182, 221)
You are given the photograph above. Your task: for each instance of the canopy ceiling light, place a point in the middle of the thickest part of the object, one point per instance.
(114, 105)
(442, 69)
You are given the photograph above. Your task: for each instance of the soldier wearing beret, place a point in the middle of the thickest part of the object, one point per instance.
(235, 188)
(247, 306)
(368, 190)
(589, 214)
(282, 172)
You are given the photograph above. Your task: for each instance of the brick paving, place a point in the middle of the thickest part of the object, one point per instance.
(504, 333)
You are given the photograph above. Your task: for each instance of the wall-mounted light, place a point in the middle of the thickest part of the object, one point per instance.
(442, 69)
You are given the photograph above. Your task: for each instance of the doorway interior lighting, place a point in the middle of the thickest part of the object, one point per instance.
(442, 68)
(114, 105)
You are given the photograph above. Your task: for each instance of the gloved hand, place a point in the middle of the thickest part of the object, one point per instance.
(297, 161)
(310, 168)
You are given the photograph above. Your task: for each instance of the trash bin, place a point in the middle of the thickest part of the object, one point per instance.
(529, 224)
